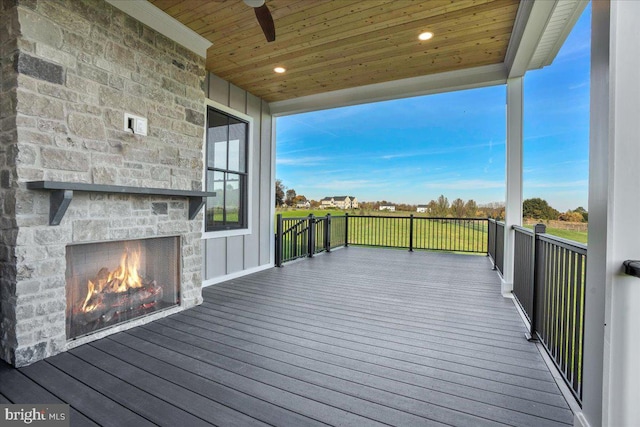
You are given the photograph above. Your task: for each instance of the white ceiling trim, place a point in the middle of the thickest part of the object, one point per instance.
(540, 30)
(531, 23)
(155, 18)
(488, 75)
(565, 15)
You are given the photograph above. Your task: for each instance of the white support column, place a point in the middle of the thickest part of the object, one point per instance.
(612, 322)
(513, 205)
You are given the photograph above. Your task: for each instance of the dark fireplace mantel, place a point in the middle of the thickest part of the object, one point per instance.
(62, 194)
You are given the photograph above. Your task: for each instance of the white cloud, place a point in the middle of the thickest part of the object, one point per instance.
(466, 184)
(583, 183)
(301, 161)
(442, 150)
(347, 184)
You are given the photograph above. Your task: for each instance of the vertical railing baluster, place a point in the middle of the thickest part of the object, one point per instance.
(327, 234)
(411, 233)
(279, 245)
(346, 229)
(537, 229)
(311, 229)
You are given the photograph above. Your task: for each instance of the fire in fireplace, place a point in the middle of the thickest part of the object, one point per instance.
(113, 282)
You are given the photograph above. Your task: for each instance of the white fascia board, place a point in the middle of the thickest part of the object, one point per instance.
(545, 56)
(487, 75)
(153, 17)
(531, 21)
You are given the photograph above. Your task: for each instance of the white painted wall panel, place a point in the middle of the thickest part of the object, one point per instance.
(237, 98)
(267, 189)
(235, 254)
(232, 255)
(218, 89)
(215, 257)
(252, 241)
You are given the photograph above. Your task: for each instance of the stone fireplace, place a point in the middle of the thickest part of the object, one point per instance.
(70, 72)
(109, 283)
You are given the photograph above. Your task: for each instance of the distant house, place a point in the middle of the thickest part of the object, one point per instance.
(422, 209)
(390, 208)
(339, 202)
(327, 203)
(303, 205)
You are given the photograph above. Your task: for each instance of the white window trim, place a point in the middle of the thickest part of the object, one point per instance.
(250, 171)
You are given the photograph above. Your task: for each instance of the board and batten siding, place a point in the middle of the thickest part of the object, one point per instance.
(231, 256)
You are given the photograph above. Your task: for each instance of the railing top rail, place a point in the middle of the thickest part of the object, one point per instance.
(417, 217)
(565, 243)
(523, 230)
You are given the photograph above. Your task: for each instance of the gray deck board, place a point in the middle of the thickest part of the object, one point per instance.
(359, 337)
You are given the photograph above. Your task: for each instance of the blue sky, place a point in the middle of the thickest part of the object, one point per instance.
(414, 149)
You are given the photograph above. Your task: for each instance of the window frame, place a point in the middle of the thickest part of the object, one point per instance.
(246, 229)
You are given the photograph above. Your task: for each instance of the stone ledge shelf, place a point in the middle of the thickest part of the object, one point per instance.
(62, 194)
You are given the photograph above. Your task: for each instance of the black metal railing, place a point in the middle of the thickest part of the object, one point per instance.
(549, 285)
(445, 234)
(337, 231)
(303, 237)
(496, 243)
(524, 269)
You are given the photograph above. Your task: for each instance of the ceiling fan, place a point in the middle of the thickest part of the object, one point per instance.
(264, 18)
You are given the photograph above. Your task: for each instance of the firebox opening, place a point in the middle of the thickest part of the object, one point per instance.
(113, 282)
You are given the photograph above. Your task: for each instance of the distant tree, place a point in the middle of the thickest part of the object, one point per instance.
(471, 209)
(457, 208)
(582, 211)
(299, 199)
(290, 197)
(314, 203)
(442, 206)
(538, 208)
(405, 207)
(279, 193)
(432, 208)
(571, 216)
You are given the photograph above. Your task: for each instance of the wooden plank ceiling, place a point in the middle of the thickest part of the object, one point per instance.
(327, 45)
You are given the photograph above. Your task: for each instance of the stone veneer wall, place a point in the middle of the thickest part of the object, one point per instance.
(8, 231)
(81, 64)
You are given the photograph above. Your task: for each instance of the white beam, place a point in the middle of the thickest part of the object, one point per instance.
(513, 204)
(592, 365)
(153, 17)
(531, 22)
(611, 348)
(488, 75)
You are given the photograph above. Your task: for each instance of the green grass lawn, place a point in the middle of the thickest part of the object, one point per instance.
(576, 236)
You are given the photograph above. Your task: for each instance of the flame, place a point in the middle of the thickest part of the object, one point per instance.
(120, 280)
(91, 290)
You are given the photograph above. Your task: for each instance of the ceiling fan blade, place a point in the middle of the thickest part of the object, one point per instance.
(266, 22)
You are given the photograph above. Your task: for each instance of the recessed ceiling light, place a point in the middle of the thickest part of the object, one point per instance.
(279, 70)
(425, 36)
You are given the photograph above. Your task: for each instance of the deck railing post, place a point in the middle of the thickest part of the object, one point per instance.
(346, 229)
(327, 234)
(279, 244)
(411, 233)
(312, 235)
(495, 244)
(535, 259)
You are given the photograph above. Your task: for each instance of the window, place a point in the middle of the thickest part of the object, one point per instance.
(227, 148)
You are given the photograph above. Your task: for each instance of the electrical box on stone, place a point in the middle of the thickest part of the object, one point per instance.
(135, 124)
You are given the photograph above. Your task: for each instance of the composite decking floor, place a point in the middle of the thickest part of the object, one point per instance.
(356, 337)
